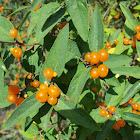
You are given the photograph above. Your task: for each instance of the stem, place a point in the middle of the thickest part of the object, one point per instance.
(19, 43)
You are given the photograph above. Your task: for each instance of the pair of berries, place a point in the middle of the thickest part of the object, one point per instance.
(16, 52)
(96, 58)
(48, 94)
(136, 106)
(137, 29)
(118, 124)
(101, 71)
(111, 110)
(13, 92)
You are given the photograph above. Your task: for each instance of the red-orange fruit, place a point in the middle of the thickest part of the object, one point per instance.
(13, 89)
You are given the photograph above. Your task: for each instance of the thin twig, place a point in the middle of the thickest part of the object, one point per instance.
(19, 43)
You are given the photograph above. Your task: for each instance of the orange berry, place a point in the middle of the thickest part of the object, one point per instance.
(103, 112)
(124, 105)
(95, 89)
(103, 55)
(94, 58)
(43, 88)
(100, 93)
(121, 123)
(32, 36)
(17, 76)
(42, 96)
(52, 100)
(103, 70)
(116, 126)
(116, 42)
(15, 81)
(137, 28)
(103, 104)
(126, 41)
(60, 26)
(12, 98)
(48, 73)
(19, 101)
(94, 73)
(36, 83)
(13, 89)
(13, 33)
(138, 36)
(54, 91)
(117, 16)
(29, 76)
(31, 83)
(133, 44)
(135, 106)
(87, 57)
(112, 109)
(17, 52)
(2, 8)
(20, 67)
(109, 115)
(24, 85)
(130, 101)
(108, 45)
(64, 23)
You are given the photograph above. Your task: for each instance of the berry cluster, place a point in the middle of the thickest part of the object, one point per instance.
(13, 95)
(135, 106)
(95, 58)
(109, 46)
(47, 93)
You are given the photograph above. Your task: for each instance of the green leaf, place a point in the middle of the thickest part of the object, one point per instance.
(107, 127)
(137, 134)
(27, 107)
(133, 71)
(72, 52)
(2, 66)
(138, 48)
(131, 118)
(78, 11)
(42, 118)
(56, 56)
(137, 7)
(131, 92)
(129, 16)
(77, 84)
(33, 21)
(19, 9)
(116, 61)
(113, 81)
(5, 27)
(48, 19)
(84, 133)
(127, 133)
(96, 33)
(3, 91)
(24, 18)
(114, 95)
(75, 115)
